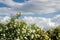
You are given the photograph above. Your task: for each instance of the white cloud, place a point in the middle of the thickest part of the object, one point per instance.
(7, 11)
(34, 6)
(45, 23)
(43, 0)
(5, 20)
(41, 6)
(56, 19)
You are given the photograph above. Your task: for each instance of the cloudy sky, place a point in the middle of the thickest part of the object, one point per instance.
(44, 13)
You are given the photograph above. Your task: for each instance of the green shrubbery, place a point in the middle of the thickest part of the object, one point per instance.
(20, 30)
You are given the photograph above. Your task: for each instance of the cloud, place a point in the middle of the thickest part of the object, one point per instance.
(4, 11)
(41, 6)
(5, 20)
(7, 12)
(42, 22)
(34, 6)
(56, 19)
(37, 7)
(45, 23)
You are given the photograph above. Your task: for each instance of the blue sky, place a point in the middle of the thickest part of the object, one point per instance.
(20, 1)
(40, 12)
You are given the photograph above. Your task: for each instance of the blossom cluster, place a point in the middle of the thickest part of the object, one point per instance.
(19, 30)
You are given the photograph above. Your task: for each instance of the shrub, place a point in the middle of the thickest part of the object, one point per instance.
(54, 34)
(20, 30)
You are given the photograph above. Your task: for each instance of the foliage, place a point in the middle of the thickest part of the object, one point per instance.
(20, 30)
(54, 34)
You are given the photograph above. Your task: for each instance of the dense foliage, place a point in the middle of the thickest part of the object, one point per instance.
(20, 30)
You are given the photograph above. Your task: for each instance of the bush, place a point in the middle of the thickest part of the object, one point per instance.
(20, 30)
(54, 34)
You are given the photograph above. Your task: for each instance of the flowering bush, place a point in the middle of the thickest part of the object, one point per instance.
(54, 34)
(19, 30)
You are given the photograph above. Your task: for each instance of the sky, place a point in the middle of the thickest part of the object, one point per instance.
(44, 13)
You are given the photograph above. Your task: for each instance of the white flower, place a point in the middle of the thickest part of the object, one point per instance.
(17, 39)
(25, 37)
(32, 36)
(14, 25)
(24, 30)
(18, 13)
(33, 31)
(16, 20)
(3, 34)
